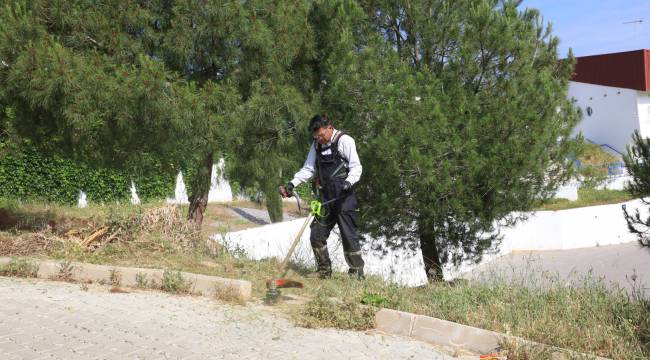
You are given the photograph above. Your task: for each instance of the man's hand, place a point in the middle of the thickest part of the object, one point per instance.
(346, 186)
(286, 191)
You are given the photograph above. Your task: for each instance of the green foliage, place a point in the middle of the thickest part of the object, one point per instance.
(266, 149)
(637, 162)
(155, 87)
(28, 174)
(460, 115)
(375, 300)
(173, 282)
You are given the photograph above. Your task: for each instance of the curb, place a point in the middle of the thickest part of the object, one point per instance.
(209, 286)
(446, 333)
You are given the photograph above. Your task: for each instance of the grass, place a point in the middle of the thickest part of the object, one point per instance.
(586, 315)
(20, 268)
(588, 197)
(593, 155)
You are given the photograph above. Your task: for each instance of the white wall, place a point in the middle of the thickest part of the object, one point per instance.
(615, 113)
(643, 109)
(399, 266)
(544, 230)
(568, 191)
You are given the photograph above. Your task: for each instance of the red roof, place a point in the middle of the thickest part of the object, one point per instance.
(630, 70)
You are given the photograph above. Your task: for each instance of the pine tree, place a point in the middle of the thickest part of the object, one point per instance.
(155, 86)
(637, 162)
(461, 118)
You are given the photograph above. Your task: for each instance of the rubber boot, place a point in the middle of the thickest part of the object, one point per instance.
(356, 274)
(323, 264)
(356, 263)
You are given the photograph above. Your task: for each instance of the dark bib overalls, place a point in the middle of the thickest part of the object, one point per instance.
(331, 172)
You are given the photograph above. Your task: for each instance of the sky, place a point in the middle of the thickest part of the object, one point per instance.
(591, 27)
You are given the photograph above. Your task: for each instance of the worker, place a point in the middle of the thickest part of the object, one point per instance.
(334, 166)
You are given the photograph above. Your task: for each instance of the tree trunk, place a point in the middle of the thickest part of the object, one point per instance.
(273, 204)
(430, 254)
(200, 190)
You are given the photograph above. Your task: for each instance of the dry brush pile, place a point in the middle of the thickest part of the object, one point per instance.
(157, 229)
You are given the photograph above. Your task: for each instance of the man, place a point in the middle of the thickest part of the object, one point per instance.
(334, 165)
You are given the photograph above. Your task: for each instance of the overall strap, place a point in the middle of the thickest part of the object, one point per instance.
(335, 144)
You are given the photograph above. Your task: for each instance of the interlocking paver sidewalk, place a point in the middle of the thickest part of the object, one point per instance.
(56, 320)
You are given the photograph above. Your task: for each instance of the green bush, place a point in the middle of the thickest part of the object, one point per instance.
(29, 174)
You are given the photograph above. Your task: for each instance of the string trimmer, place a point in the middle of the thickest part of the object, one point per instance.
(279, 282)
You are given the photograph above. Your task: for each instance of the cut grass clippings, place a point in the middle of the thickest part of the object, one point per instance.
(330, 313)
(586, 316)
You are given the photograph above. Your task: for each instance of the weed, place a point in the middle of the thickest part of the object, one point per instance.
(375, 300)
(115, 277)
(20, 268)
(173, 282)
(84, 287)
(141, 280)
(65, 271)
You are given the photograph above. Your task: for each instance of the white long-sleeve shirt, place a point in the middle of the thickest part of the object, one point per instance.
(347, 149)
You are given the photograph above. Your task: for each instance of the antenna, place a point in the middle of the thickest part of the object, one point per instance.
(633, 22)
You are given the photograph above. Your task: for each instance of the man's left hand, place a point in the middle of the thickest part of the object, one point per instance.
(346, 186)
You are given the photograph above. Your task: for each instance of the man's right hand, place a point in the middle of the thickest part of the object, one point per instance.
(286, 191)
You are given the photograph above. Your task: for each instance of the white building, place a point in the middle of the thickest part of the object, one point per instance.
(613, 91)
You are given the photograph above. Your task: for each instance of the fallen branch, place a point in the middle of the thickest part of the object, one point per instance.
(95, 236)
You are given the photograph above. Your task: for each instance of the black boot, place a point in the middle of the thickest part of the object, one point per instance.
(323, 264)
(355, 262)
(356, 274)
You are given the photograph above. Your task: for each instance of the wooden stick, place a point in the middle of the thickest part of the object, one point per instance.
(293, 246)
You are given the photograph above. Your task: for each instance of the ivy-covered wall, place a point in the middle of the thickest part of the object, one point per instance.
(28, 174)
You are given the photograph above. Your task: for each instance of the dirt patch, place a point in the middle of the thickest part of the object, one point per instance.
(7, 220)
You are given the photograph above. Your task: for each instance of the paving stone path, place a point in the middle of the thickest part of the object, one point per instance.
(56, 320)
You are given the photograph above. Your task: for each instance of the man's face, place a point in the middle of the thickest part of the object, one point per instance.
(323, 135)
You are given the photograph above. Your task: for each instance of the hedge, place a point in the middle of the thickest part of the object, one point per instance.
(28, 174)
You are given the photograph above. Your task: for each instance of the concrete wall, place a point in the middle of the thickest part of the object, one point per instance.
(570, 229)
(615, 113)
(544, 230)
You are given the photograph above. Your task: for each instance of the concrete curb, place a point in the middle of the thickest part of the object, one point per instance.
(210, 286)
(447, 333)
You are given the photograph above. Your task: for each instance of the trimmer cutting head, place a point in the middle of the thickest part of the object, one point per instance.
(273, 286)
(283, 283)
